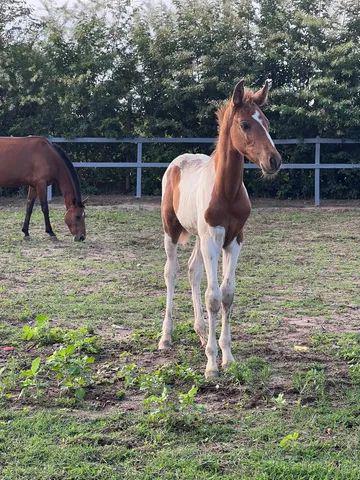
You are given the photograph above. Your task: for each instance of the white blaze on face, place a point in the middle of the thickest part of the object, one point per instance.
(256, 116)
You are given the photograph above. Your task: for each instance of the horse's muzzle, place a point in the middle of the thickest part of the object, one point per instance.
(81, 238)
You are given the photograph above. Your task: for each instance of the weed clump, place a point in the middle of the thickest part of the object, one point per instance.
(163, 406)
(69, 363)
(311, 383)
(254, 373)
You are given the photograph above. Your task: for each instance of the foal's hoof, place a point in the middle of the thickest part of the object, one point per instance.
(53, 238)
(164, 345)
(209, 374)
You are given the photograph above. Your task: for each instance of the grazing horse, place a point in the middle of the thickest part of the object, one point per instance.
(205, 196)
(34, 161)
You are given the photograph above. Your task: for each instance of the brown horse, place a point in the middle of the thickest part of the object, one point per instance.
(206, 196)
(34, 161)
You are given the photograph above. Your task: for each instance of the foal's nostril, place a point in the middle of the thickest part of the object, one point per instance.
(274, 164)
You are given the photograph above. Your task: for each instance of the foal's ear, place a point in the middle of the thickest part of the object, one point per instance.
(261, 96)
(238, 95)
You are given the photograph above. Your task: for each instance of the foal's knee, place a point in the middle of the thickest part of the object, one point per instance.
(213, 299)
(194, 273)
(227, 296)
(170, 270)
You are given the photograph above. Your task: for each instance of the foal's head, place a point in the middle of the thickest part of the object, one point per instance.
(249, 128)
(75, 220)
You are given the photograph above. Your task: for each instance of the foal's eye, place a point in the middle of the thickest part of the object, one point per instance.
(245, 125)
(78, 217)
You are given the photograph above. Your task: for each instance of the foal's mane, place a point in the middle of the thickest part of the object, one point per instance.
(225, 116)
(248, 100)
(73, 175)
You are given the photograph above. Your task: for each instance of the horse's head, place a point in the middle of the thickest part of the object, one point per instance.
(249, 130)
(75, 220)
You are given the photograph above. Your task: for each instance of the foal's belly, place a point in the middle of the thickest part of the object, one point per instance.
(196, 185)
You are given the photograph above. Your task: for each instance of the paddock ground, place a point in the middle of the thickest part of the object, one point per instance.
(290, 412)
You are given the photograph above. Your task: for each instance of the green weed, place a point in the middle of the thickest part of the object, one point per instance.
(179, 410)
(30, 383)
(41, 333)
(72, 370)
(253, 372)
(310, 383)
(354, 373)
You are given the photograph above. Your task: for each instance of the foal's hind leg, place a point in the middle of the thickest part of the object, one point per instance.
(170, 277)
(29, 208)
(42, 194)
(196, 269)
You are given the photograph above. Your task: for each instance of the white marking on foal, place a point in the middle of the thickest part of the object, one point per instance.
(170, 271)
(230, 257)
(211, 244)
(256, 116)
(196, 267)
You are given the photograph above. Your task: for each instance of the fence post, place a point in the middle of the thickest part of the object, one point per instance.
(317, 172)
(138, 169)
(49, 193)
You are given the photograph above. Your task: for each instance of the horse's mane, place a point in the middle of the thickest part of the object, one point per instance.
(75, 179)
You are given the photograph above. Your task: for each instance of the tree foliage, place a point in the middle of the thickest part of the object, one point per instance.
(161, 69)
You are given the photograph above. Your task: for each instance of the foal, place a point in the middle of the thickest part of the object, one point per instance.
(205, 196)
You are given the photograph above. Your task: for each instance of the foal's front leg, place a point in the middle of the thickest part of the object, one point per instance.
(170, 270)
(230, 258)
(211, 244)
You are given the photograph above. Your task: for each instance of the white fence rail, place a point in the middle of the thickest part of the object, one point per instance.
(317, 166)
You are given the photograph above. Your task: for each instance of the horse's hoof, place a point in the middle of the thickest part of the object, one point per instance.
(53, 238)
(27, 237)
(210, 374)
(164, 345)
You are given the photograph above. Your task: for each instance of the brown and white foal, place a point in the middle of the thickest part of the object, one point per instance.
(205, 196)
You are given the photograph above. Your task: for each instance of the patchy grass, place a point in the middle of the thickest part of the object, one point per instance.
(289, 407)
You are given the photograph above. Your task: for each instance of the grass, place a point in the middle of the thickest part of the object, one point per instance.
(288, 409)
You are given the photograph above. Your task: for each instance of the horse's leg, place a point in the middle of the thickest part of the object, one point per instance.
(29, 208)
(170, 270)
(230, 258)
(196, 268)
(42, 194)
(211, 245)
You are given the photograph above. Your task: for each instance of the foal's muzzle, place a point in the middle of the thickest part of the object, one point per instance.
(273, 165)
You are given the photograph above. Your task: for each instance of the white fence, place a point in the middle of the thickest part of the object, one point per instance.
(317, 166)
